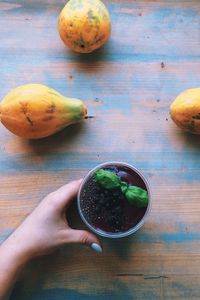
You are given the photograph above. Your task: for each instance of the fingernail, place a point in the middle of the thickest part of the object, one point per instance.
(96, 247)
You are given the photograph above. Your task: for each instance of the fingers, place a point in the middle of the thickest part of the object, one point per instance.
(83, 237)
(65, 194)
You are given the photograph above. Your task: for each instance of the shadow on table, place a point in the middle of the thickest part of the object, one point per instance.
(119, 247)
(191, 140)
(188, 140)
(58, 140)
(93, 57)
(89, 63)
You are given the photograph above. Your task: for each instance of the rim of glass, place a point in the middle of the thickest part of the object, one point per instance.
(131, 230)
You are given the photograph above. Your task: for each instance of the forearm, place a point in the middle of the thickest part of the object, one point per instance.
(45, 229)
(12, 259)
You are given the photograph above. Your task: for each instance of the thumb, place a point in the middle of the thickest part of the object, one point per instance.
(85, 238)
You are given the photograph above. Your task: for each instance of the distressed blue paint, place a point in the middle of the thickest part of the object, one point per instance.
(185, 291)
(117, 49)
(34, 57)
(179, 237)
(146, 161)
(167, 238)
(149, 41)
(62, 294)
(4, 234)
(127, 77)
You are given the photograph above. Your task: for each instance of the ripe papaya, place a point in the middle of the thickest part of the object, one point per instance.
(35, 111)
(185, 110)
(84, 25)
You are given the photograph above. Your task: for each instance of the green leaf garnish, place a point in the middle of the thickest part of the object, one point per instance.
(107, 179)
(124, 186)
(135, 195)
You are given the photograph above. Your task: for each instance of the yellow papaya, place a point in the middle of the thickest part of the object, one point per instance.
(35, 111)
(84, 25)
(185, 110)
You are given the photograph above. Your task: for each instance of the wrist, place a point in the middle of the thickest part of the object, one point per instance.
(13, 258)
(16, 250)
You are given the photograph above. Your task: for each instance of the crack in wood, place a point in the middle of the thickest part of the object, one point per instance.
(146, 277)
(155, 277)
(129, 274)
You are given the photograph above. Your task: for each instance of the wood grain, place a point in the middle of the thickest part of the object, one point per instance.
(128, 85)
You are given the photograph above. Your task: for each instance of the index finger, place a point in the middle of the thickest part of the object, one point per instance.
(66, 193)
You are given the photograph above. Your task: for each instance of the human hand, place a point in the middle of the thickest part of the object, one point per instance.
(46, 228)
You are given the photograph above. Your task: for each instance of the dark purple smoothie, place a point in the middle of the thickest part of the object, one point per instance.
(108, 210)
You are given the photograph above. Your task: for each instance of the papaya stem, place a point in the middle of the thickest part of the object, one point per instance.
(89, 117)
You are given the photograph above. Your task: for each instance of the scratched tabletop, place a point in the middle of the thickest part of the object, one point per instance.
(153, 55)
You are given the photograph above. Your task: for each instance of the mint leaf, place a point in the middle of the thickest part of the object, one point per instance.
(136, 195)
(124, 186)
(107, 179)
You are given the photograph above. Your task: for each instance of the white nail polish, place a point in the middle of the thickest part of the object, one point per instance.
(96, 247)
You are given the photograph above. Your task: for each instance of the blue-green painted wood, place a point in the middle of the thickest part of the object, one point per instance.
(152, 56)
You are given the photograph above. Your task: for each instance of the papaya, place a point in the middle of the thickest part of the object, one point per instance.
(185, 110)
(35, 111)
(84, 25)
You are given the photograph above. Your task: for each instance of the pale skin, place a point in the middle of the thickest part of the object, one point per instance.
(44, 230)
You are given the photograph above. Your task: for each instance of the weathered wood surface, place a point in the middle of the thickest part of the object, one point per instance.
(153, 55)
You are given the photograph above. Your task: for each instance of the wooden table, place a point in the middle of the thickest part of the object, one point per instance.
(152, 56)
